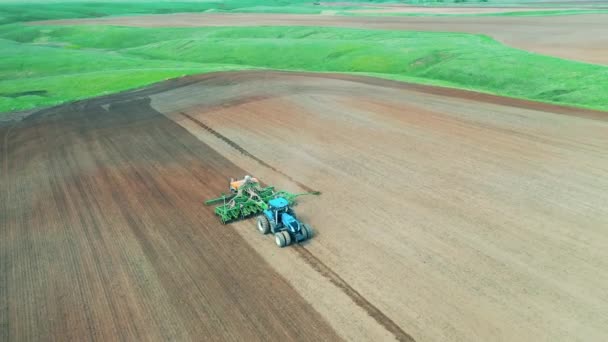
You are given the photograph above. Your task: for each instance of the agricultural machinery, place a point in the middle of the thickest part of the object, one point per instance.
(248, 198)
(280, 219)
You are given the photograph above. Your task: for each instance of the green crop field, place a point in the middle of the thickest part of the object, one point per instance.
(48, 65)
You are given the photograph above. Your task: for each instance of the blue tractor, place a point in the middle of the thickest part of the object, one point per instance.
(280, 219)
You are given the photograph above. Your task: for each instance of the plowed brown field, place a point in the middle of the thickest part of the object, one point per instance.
(446, 215)
(103, 236)
(459, 216)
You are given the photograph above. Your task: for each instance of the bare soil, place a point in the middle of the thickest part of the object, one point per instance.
(538, 4)
(446, 215)
(450, 10)
(103, 236)
(458, 216)
(577, 37)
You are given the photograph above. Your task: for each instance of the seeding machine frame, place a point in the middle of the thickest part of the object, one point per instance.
(248, 200)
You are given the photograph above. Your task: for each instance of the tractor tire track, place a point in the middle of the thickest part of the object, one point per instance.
(245, 152)
(312, 260)
(353, 294)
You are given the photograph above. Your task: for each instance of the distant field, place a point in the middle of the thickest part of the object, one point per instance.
(35, 75)
(13, 12)
(487, 13)
(44, 65)
(47, 65)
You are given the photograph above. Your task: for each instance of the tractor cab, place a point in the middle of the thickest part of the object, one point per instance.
(282, 215)
(278, 204)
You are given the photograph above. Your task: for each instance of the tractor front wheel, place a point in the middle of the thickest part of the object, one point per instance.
(263, 224)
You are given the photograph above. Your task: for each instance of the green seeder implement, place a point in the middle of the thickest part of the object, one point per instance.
(248, 198)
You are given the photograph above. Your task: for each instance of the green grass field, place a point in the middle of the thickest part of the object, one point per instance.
(47, 65)
(12, 11)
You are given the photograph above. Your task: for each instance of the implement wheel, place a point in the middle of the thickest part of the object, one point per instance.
(263, 224)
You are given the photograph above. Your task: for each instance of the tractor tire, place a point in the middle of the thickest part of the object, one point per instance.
(273, 226)
(263, 224)
(279, 238)
(308, 231)
(304, 232)
(287, 238)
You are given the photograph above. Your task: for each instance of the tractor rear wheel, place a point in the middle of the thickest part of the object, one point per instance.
(287, 238)
(308, 231)
(263, 224)
(279, 238)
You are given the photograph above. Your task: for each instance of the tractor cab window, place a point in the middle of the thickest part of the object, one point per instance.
(281, 209)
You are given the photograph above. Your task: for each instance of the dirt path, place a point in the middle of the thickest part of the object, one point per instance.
(459, 216)
(577, 37)
(103, 236)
